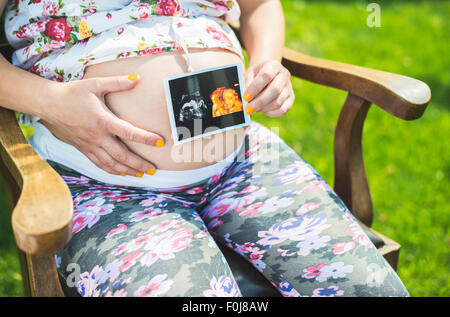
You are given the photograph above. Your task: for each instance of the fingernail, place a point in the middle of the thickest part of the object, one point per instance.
(151, 171)
(247, 97)
(249, 110)
(140, 174)
(132, 77)
(160, 143)
(123, 174)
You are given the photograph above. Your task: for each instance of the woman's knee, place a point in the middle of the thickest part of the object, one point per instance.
(173, 257)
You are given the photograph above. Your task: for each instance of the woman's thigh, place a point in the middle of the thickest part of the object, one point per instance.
(275, 210)
(131, 242)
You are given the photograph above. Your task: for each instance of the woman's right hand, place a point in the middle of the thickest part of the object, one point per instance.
(78, 115)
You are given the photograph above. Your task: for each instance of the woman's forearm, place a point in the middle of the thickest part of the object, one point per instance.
(23, 91)
(262, 29)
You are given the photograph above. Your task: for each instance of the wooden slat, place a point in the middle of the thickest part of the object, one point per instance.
(350, 180)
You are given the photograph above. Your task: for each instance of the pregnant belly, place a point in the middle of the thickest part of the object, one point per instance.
(145, 107)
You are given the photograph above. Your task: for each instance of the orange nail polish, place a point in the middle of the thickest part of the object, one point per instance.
(247, 97)
(123, 174)
(249, 110)
(140, 174)
(132, 77)
(159, 143)
(151, 171)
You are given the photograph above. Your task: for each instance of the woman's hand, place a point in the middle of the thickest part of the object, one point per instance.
(269, 89)
(79, 116)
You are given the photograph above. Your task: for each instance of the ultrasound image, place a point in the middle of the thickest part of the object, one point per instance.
(193, 107)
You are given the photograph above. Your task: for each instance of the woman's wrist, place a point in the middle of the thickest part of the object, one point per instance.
(50, 96)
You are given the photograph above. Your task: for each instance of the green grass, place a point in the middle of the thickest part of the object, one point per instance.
(406, 161)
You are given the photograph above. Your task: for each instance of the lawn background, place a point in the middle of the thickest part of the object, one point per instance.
(406, 162)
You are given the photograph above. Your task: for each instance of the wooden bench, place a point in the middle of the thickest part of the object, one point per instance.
(41, 202)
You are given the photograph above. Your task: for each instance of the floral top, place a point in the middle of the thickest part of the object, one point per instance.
(57, 39)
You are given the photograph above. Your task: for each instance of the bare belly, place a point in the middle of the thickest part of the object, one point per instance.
(145, 107)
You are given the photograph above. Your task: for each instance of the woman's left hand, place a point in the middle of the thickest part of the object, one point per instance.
(269, 89)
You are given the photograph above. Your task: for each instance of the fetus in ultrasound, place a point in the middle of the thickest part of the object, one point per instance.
(193, 107)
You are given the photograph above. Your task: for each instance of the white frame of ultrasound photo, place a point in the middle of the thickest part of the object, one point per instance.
(170, 106)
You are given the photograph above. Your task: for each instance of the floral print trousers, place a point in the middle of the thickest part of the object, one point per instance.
(269, 206)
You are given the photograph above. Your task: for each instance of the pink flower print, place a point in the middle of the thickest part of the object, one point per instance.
(156, 286)
(215, 178)
(297, 173)
(124, 55)
(107, 193)
(307, 208)
(342, 247)
(221, 206)
(120, 249)
(129, 260)
(167, 7)
(320, 185)
(120, 30)
(87, 285)
(222, 287)
(330, 291)
(119, 198)
(110, 272)
(153, 199)
(204, 198)
(312, 243)
(164, 247)
(216, 222)
(118, 293)
(166, 225)
(88, 213)
(334, 270)
(82, 180)
(218, 36)
(275, 203)
(195, 190)
(91, 10)
(58, 77)
(358, 235)
(119, 229)
(29, 30)
(137, 243)
(50, 8)
(153, 50)
(200, 234)
(109, 16)
(286, 289)
(144, 10)
(86, 194)
(248, 189)
(295, 229)
(313, 271)
(147, 214)
(220, 5)
(251, 210)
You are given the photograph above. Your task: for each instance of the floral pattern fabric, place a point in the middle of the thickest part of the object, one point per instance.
(58, 39)
(282, 217)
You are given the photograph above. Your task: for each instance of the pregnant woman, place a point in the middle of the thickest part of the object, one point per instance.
(148, 215)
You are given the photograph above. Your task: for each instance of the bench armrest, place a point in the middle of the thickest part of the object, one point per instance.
(42, 216)
(404, 97)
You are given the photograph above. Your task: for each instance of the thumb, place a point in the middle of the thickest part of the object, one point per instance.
(116, 83)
